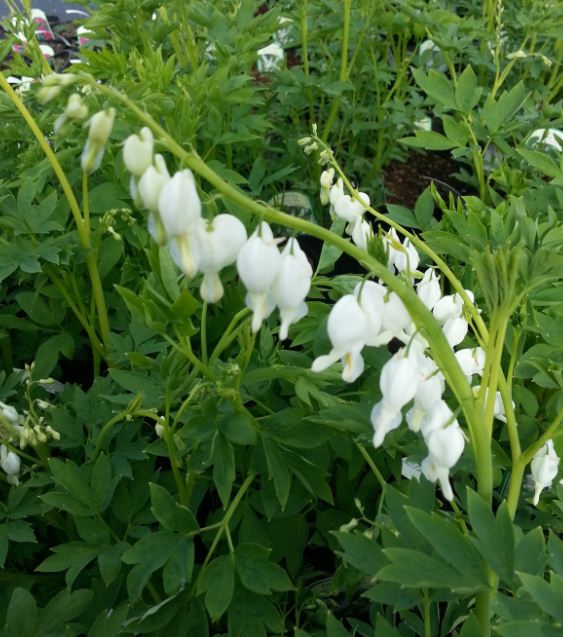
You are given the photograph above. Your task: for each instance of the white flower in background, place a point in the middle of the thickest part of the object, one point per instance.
(544, 469)
(220, 241)
(327, 177)
(550, 137)
(10, 463)
(445, 446)
(348, 328)
(399, 381)
(258, 264)
(9, 413)
(498, 407)
(75, 109)
(292, 285)
(270, 58)
(137, 152)
(471, 361)
(428, 288)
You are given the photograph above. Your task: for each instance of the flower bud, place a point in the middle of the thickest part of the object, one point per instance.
(179, 204)
(137, 152)
(101, 124)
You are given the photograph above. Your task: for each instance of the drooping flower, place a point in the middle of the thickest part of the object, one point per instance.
(99, 131)
(398, 382)
(327, 177)
(362, 233)
(351, 209)
(180, 212)
(10, 463)
(152, 182)
(348, 328)
(402, 256)
(445, 446)
(428, 288)
(220, 241)
(292, 285)
(258, 264)
(545, 465)
(137, 152)
(471, 361)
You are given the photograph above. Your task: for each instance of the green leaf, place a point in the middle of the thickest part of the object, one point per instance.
(541, 162)
(150, 553)
(237, 428)
(455, 131)
(172, 516)
(555, 549)
(109, 562)
(497, 114)
(413, 569)
(530, 555)
(329, 253)
(109, 622)
(452, 546)
(257, 573)
(467, 93)
(547, 595)
(424, 209)
(101, 483)
(218, 583)
(69, 476)
(494, 536)
(72, 557)
(436, 86)
(361, 552)
(21, 619)
(223, 467)
(64, 607)
(428, 140)
(334, 628)
(402, 215)
(252, 615)
(178, 569)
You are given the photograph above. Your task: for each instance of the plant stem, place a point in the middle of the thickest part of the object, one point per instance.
(342, 76)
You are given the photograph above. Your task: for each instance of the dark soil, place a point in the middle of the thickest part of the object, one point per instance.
(405, 181)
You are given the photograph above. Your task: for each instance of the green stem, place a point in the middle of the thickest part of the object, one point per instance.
(347, 4)
(426, 614)
(203, 333)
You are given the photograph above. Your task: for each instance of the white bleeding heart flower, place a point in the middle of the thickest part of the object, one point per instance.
(370, 297)
(258, 264)
(348, 327)
(384, 418)
(336, 191)
(10, 463)
(351, 209)
(327, 178)
(99, 130)
(545, 466)
(186, 253)
(137, 152)
(448, 307)
(152, 182)
(362, 233)
(445, 446)
(292, 285)
(428, 288)
(455, 330)
(396, 318)
(220, 240)
(179, 204)
(471, 361)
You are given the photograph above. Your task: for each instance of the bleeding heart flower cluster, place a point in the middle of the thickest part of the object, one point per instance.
(198, 245)
(373, 315)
